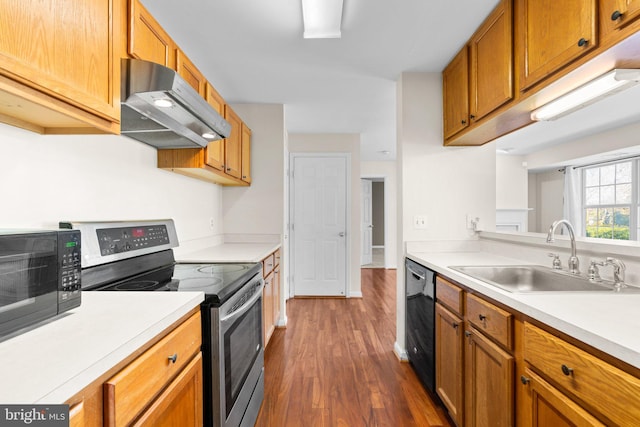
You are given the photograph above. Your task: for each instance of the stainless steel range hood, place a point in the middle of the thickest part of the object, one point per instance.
(159, 108)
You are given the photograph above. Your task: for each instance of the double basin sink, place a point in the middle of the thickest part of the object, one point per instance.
(536, 278)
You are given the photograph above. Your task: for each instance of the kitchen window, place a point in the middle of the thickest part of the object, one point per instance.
(610, 200)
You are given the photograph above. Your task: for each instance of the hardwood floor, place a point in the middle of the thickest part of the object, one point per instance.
(334, 365)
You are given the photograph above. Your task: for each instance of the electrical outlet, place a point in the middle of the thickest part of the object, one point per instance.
(212, 223)
(472, 221)
(420, 221)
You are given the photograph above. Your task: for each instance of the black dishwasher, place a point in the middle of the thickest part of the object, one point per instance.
(420, 321)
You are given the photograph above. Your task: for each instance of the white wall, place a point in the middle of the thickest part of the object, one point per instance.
(340, 143)
(259, 208)
(443, 183)
(46, 179)
(549, 195)
(511, 182)
(388, 171)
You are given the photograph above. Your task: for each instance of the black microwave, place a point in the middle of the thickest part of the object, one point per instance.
(39, 276)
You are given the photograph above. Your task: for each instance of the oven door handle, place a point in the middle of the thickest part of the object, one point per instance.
(244, 307)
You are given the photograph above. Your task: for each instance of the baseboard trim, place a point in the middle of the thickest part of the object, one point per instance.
(400, 352)
(354, 294)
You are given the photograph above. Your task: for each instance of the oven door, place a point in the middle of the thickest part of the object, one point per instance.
(241, 352)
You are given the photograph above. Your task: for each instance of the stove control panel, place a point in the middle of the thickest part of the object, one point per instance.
(125, 239)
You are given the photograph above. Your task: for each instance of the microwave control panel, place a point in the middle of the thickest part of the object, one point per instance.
(125, 239)
(69, 278)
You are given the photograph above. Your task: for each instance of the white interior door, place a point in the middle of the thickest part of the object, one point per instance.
(319, 192)
(366, 222)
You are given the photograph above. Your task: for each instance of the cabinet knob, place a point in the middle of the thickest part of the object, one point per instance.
(567, 370)
(228, 169)
(467, 334)
(482, 317)
(455, 325)
(173, 358)
(464, 122)
(472, 117)
(524, 380)
(582, 42)
(616, 15)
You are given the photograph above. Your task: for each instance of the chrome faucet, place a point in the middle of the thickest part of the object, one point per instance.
(618, 271)
(574, 263)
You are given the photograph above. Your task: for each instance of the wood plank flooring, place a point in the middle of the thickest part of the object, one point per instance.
(334, 365)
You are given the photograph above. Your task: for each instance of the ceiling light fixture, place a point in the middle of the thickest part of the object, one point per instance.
(607, 84)
(163, 103)
(322, 19)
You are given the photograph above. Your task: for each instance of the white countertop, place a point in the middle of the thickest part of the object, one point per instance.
(609, 322)
(54, 361)
(231, 252)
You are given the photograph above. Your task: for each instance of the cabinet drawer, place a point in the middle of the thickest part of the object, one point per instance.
(449, 294)
(492, 320)
(132, 389)
(267, 265)
(603, 387)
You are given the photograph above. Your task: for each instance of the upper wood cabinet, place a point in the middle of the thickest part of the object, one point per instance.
(147, 39)
(58, 65)
(553, 34)
(491, 62)
(616, 14)
(455, 89)
(245, 166)
(190, 73)
(233, 144)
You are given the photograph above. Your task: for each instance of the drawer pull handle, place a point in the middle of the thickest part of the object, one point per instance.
(173, 358)
(567, 370)
(524, 380)
(616, 15)
(482, 317)
(582, 42)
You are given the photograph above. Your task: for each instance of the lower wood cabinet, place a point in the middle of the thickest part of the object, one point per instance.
(489, 399)
(162, 386)
(547, 406)
(450, 362)
(270, 294)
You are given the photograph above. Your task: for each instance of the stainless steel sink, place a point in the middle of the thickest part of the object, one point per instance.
(535, 278)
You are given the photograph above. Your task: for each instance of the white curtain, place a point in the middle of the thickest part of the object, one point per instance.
(573, 198)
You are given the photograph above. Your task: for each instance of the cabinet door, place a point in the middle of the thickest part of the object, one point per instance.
(232, 144)
(449, 362)
(215, 149)
(549, 407)
(615, 14)
(267, 308)
(180, 404)
(554, 34)
(190, 73)
(455, 92)
(491, 67)
(64, 50)
(147, 39)
(246, 153)
(489, 383)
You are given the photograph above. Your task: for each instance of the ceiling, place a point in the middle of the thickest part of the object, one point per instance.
(253, 52)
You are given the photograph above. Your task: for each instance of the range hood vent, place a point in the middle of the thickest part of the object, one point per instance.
(159, 108)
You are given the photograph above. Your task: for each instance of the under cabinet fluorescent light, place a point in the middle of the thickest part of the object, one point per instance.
(607, 84)
(322, 19)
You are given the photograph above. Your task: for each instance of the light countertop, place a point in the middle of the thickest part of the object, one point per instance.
(608, 322)
(231, 252)
(54, 361)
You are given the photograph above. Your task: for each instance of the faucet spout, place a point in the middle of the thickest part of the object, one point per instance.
(573, 260)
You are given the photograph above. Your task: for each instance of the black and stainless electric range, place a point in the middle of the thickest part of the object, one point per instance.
(138, 256)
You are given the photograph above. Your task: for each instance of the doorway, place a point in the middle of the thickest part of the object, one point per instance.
(319, 224)
(373, 223)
